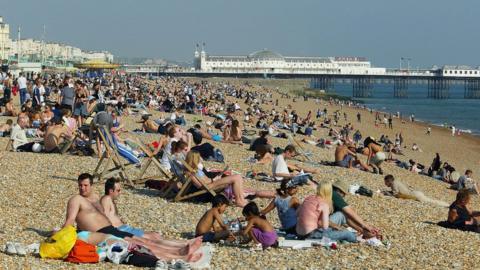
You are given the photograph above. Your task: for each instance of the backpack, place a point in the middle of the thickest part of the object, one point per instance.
(83, 252)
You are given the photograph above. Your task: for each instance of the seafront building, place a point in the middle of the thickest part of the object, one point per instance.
(4, 40)
(37, 50)
(49, 54)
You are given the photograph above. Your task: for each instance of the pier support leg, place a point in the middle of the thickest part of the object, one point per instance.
(400, 87)
(472, 88)
(438, 88)
(362, 87)
(325, 83)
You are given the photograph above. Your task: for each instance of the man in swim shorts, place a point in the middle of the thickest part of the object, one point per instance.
(113, 188)
(346, 157)
(85, 210)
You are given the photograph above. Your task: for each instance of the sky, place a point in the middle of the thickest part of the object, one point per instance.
(428, 32)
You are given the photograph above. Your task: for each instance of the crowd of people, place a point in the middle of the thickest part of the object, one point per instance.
(59, 114)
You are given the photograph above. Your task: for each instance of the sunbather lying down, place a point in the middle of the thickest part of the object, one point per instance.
(232, 185)
(162, 249)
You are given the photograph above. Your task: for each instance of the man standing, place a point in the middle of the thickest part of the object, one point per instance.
(67, 96)
(22, 86)
(85, 210)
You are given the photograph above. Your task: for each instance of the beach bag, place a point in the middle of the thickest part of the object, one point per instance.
(83, 252)
(117, 252)
(59, 245)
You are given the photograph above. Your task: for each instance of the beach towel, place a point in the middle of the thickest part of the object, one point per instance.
(122, 149)
(83, 252)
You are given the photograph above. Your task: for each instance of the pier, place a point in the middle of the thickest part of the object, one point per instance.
(438, 82)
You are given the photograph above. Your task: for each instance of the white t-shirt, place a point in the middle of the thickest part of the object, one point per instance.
(279, 166)
(167, 151)
(22, 82)
(18, 136)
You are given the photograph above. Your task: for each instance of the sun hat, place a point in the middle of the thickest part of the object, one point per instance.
(341, 185)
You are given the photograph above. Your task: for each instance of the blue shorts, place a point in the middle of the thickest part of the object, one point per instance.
(345, 162)
(207, 237)
(217, 138)
(134, 231)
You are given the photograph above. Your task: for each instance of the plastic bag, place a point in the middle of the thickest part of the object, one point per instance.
(59, 245)
(117, 252)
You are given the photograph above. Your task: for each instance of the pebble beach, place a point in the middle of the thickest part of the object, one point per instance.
(34, 189)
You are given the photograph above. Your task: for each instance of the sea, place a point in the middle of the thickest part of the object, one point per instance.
(463, 113)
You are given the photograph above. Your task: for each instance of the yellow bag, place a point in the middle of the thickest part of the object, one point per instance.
(59, 245)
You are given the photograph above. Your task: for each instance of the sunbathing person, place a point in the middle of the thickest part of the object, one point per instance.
(264, 154)
(466, 182)
(346, 157)
(103, 241)
(6, 128)
(10, 110)
(232, 185)
(55, 135)
(460, 216)
(211, 226)
(86, 211)
(313, 217)
(233, 133)
(375, 154)
(46, 115)
(281, 170)
(175, 134)
(400, 190)
(148, 125)
(344, 214)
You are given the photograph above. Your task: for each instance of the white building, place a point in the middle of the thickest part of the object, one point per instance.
(459, 71)
(51, 50)
(4, 40)
(270, 62)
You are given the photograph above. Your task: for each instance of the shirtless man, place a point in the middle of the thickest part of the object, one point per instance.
(10, 109)
(108, 202)
(85, 210)
(6, 128)
(149, 125)
(375, 154)
(54, 138)
(344, 157)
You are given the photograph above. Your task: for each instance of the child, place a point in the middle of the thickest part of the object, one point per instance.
(286, 204)
(258, 228)
(6, 128)
(205, 226)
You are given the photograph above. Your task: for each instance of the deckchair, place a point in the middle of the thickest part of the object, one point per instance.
(180, 168)
(300, 149)
(151, 159)
(110, 154)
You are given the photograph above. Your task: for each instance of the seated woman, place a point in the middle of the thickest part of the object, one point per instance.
(232, 185)
(161, 249)
(46, 115)
(233, 133)
(260, 141)
(460, 216)
(264, 154)
(313, 217)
